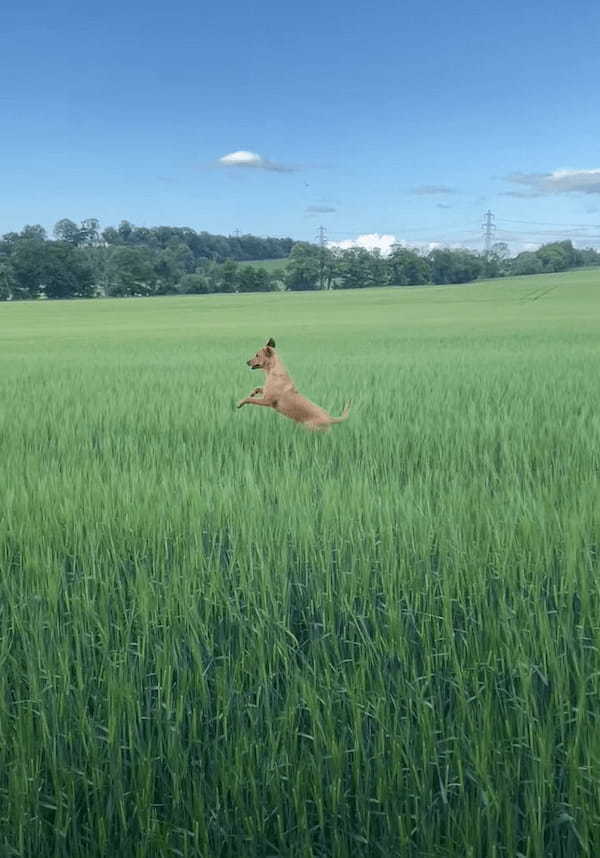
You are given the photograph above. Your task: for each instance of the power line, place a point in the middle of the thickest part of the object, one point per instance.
(550, 223)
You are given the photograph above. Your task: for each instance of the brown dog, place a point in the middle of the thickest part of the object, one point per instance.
(280, 393)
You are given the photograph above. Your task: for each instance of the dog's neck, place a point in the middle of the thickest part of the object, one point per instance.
(276, 369)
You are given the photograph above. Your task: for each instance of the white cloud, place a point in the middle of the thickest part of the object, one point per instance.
(386, 243)
(252, 160)
(370, 241)
(566, 181)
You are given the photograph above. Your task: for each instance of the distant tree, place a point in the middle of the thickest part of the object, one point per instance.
(131, 272)
(9, 240)
(171, 264)
(195, 284)
(90, 231)
(526, 263)
(302, 269)
(67, 231)
(407, 267)
(496, 262)
(557, 256)
(110, 235)
(588, 256)
(7, 280)
(27, 262)
(454, 266)
(66, 273)
(125, 231)
(33, 231)
(97, 258)
(228, 276)
(253, 279)
(355, 268)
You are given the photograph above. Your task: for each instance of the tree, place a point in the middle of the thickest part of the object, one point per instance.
(33, 231)
(171, 264)
(496, 262)
(131, 272)
(125, 231)
(588, 256)
(7, 281)
(195, 284)
(454, 266)
(90, 231)
(65, 272)
(526, 263)
(67, 231)
(251, 279)
(228, 279)
(557, 256)
(407, 267)
(27, 263)
(302, 269)
(355, 268)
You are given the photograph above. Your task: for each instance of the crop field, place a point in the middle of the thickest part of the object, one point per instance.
(273, 266)
(222, 636)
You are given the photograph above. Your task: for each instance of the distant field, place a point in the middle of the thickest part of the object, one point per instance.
(272, 265)
(223, 636)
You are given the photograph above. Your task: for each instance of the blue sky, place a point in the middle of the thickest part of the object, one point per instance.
(405, 119)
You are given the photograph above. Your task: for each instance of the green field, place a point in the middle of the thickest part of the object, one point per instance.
(224, 637)
(273, 266)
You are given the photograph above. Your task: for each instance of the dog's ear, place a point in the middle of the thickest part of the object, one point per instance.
(271, 343)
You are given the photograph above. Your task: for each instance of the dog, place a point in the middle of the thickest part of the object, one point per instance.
(280, 393)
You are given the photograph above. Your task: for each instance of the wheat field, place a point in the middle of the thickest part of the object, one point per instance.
(223, 636)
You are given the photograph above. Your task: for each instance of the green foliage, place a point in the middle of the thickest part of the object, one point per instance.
(408, 268)
(223, 636)
(131, 272)
(27, 263)
(557, 256)
(454, 266)
(228, 276)
(303, 268)
(527, 263)
(254, 279)
(202, 245)
(65, 273)
(139, 261)
(356, 268)
(7, 283)
(195, 284)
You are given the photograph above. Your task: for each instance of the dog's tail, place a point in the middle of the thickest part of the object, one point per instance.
(345, 414)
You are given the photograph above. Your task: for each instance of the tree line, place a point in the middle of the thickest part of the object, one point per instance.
(83, 261)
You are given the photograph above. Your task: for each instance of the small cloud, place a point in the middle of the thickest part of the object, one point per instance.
(443, 206)
(426, 190)
(319, 209)
(252, 160)
(558, 182)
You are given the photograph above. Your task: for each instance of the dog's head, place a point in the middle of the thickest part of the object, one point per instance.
(264, 357)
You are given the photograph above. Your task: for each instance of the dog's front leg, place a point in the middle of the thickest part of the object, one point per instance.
(249, 401)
